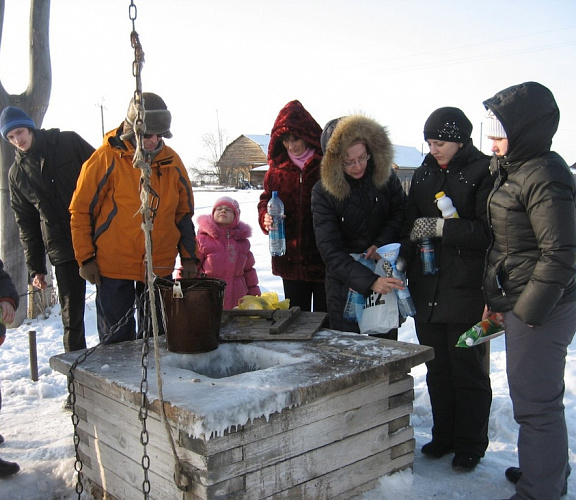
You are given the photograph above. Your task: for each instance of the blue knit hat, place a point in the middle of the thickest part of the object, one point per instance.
(13, 117)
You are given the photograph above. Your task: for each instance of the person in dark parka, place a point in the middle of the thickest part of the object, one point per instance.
(358, 206)
(451, 301)
(9, 301)
(530, 278)
(42, 180)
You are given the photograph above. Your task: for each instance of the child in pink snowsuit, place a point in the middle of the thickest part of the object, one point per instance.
(223, 248)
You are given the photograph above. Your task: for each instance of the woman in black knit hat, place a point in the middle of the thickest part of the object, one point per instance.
(451, 301)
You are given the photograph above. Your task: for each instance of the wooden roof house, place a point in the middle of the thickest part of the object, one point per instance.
(239, 158)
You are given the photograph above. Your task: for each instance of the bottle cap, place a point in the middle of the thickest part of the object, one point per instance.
(469, 342)
(440, 194)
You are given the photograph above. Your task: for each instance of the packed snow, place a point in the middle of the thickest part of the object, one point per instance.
(38, 431)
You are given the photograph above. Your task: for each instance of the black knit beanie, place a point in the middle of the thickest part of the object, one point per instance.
(449, 125)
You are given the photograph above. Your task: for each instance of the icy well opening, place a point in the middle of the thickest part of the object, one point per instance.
(229, 360)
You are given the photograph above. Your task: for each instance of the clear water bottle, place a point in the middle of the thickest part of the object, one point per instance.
(428, 257)
(445, 205)
(354, 306)
(276, 235)
(405, 302)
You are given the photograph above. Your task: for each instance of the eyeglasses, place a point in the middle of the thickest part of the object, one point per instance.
(362, 160)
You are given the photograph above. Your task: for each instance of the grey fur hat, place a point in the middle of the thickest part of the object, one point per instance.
(157, 118)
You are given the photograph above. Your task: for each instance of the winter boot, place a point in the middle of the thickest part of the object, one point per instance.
(8, 468)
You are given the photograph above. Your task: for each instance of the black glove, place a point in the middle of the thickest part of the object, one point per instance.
(427, 227)
(189, 269)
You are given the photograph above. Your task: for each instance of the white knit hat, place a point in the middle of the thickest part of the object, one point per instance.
(493, 126)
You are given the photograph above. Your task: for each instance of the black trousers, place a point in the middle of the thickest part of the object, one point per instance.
(308, 295)
(459, 388)
(72, 297)
(116, 302)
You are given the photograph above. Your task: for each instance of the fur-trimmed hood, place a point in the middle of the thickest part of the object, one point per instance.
(348, 131)
(206, 224)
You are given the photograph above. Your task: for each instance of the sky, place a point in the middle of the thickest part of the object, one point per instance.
(39, 432)
(231, 65)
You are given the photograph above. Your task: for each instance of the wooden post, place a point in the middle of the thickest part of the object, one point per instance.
(33, 355)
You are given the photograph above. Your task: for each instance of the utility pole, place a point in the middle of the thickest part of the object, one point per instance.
(480, 148)
(102, 108)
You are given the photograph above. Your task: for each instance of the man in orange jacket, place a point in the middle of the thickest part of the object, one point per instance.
(108, 239)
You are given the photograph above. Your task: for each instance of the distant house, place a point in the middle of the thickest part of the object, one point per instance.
(240, 157)
(407, 159)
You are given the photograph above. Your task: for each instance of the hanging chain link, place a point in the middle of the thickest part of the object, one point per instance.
(150, 203)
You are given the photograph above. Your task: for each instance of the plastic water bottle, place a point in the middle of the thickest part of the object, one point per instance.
(428, 257)
(405, 302)
(445, 206)
(276, 235)
(354, 306)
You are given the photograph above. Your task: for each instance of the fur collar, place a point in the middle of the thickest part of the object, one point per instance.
(349, 130)
(207, 226)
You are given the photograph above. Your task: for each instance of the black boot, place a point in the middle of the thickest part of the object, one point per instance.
(8, 468)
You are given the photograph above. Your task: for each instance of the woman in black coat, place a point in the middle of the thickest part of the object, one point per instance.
(451, 301)
(530, 278)
(357, 206)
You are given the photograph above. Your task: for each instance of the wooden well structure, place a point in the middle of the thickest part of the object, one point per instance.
(322, 418)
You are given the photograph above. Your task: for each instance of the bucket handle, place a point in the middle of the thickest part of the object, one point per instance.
(177, 290)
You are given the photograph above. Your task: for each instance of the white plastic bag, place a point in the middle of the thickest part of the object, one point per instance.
(380, 313)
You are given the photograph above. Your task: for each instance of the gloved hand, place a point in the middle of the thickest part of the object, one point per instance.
(427, 227)
(189, 269)
(90, 272)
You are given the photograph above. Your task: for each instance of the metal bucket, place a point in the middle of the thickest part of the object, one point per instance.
(193, 311)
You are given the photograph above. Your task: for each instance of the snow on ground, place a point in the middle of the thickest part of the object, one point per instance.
(38, 431)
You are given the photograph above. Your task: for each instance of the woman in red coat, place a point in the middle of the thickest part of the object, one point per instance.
(294, 157)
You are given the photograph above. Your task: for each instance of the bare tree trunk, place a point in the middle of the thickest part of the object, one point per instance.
(33, 101)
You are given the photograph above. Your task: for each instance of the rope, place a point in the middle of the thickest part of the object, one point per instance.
(149, 204)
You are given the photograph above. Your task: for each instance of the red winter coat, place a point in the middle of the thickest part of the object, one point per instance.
(302, 261)
(224, 253)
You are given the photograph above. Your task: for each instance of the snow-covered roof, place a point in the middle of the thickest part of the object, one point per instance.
(407, 156)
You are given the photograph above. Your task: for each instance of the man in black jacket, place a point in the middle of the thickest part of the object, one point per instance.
(530, 278)
(42, 180)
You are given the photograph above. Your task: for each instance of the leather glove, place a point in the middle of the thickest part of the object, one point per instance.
(427, 227)
(90, 272)
(189, 269)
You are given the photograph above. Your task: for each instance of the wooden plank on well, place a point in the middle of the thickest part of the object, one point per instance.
(299, 469)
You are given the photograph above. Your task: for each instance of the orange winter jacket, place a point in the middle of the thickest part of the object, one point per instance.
(106, 220)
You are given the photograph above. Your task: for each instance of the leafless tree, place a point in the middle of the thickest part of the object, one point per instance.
(34, 101)
(214, 144)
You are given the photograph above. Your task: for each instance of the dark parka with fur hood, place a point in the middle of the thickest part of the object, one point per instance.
(350, 214)
(454, 294)
(42, 181)
(302, 261)
(531, 264)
